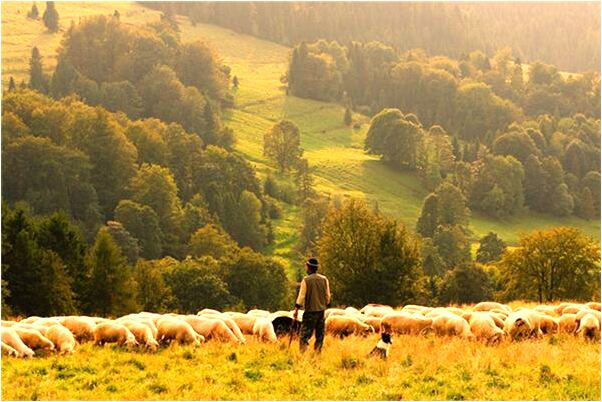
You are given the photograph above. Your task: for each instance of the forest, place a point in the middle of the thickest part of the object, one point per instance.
(569, 41)
(506, 140)
(122, 188)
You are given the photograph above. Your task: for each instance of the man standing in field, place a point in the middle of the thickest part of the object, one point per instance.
(314, 297)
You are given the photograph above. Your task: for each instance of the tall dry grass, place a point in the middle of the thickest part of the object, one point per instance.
(558, 367)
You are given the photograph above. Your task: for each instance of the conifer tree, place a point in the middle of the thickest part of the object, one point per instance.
(11, 84)
(37, 80)
(347, 119)
(33, 13)
(51, 17)
(112, 287)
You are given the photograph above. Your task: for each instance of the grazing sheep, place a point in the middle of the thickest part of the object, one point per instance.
(486, 306)
(574, 309)
(498, 319)
(208, 313)
(374, 322)
(142, 333)
(343, 326)
(81, 327)
(583, 313)
(63, 339)
(169, 328)
(548, 324)
(593, 305)
(521, 324)
(8, 324)
(211, 328)
(33, 338)
(568, 323)
(589, 327)
(405, 323)
(244, 321)
(484, 328)
(451, 324)
(112, 332)
(10, 337)
(9, 351)
(264, 330)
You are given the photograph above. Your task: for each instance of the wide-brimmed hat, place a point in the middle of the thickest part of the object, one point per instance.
(313, 263)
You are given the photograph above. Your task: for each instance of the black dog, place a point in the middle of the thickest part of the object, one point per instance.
(382, 347)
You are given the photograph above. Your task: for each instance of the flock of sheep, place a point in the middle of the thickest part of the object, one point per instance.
(487, 321)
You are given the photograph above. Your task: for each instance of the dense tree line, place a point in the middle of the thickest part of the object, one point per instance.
(472, 96)
(546, 164)
(48, 268)
(143, 72)
(567, 35)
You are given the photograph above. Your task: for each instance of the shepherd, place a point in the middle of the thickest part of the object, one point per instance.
(314, 297)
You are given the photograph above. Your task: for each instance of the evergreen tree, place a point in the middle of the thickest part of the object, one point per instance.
(37, 79)
(347, 119)
(235, 82)
(33, 13)
(112, 287)
(38, 283)
(429, 216)
(51, 17)
(11, 85)
(63, 79)
(58, 234)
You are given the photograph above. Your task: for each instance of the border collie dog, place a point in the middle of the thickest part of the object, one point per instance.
(382, 347)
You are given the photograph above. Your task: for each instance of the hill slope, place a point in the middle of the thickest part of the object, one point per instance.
(335, 152)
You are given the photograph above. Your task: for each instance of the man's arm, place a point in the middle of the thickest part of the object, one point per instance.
(301, 298)
(327, 293)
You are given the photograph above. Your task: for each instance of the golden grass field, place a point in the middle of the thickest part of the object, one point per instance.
(558, 367)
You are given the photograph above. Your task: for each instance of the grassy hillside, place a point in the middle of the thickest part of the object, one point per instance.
(419, 368)
(334, 151)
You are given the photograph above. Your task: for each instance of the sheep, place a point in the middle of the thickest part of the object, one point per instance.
(231, 325)
(10, 337)
(211, 328)
(374, 322)
(589, 327)
(548, 324)
(521, 324)
(112, 332)
(81, 327)
(33, 338)
(8, 324)
(244, 321)
(593, 305)
(486, 306)
(451, 324)
(346, 325)
(62, 338)
(264, 330)
(484, 327)
(169, 328)
(405, 323)
(567, 323)
(142, 333)
(9, 350)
